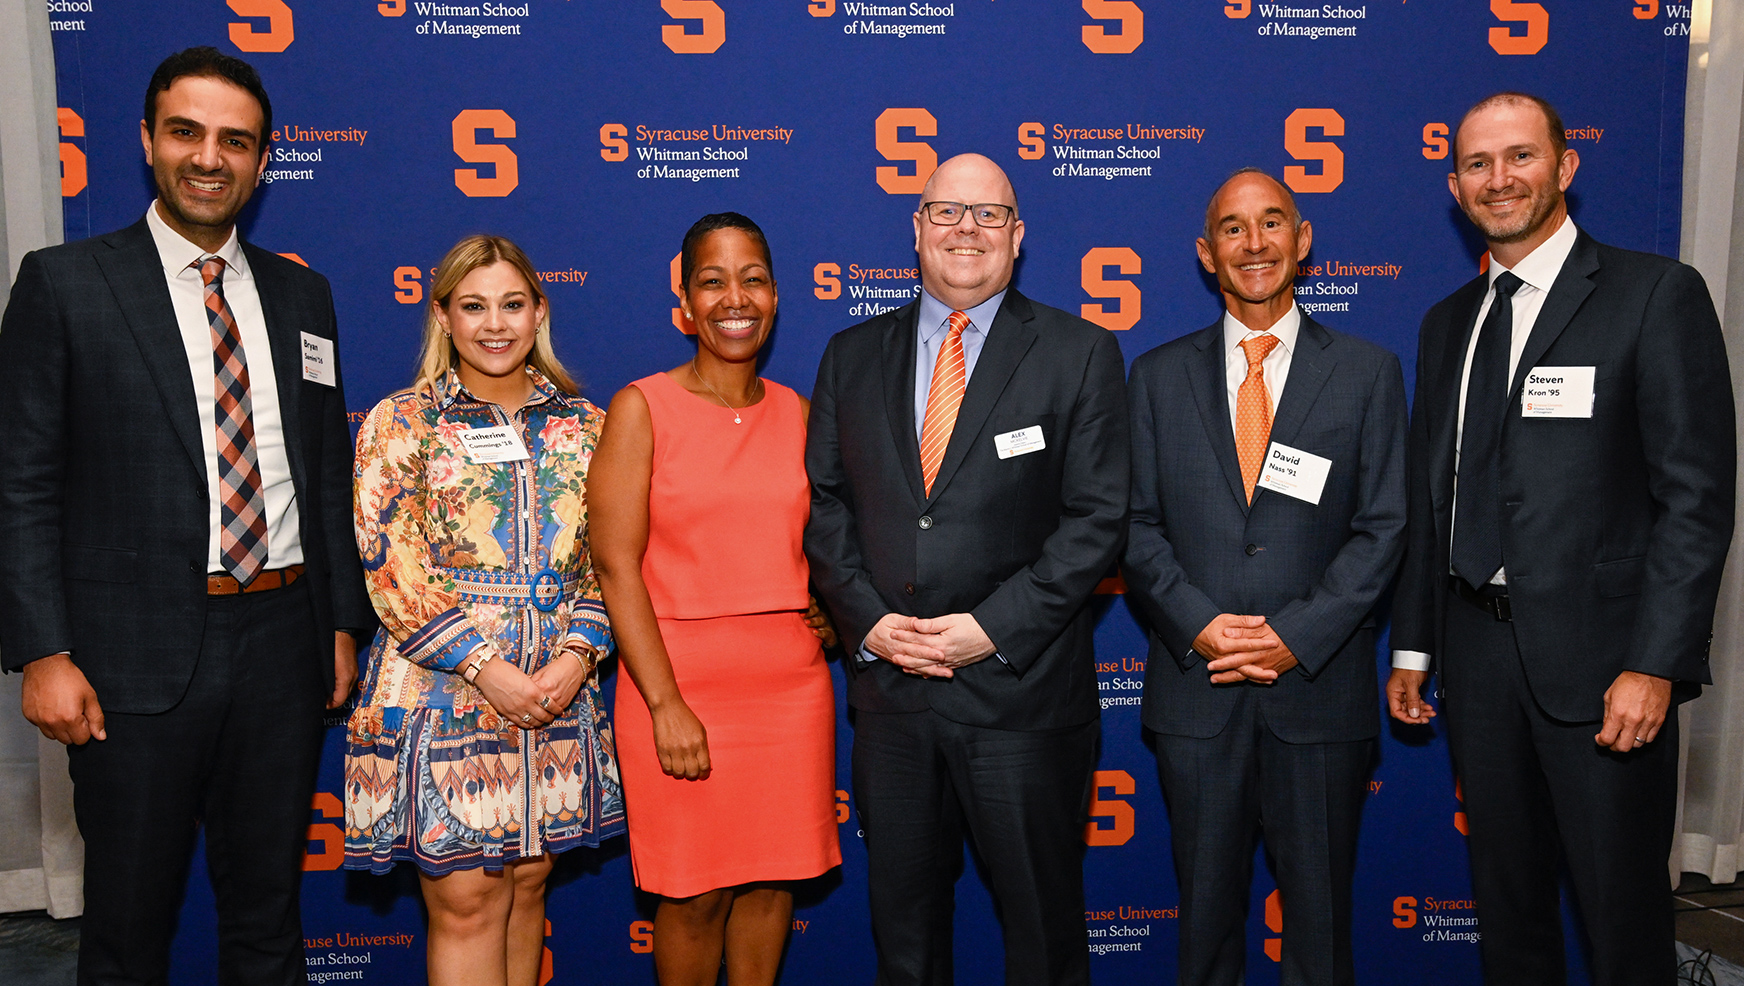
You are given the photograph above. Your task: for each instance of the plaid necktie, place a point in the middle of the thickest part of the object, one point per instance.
(242, 506)
(944, 398)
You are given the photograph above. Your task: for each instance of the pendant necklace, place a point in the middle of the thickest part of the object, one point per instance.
(736, 419)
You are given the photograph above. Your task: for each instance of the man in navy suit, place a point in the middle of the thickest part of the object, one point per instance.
(968, 459)
(177, 568)
(1573, 465)
(1268, 507)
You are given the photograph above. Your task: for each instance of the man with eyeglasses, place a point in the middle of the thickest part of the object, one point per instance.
(968, 457)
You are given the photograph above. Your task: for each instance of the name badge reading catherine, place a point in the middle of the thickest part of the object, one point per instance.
(1294, 472)
(499, 444)
(1557, 392)
(318, 363)
(1020, 442)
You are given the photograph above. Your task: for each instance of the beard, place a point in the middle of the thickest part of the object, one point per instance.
(1543, 201)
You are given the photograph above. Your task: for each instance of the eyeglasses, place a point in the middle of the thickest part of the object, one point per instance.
(992, 215)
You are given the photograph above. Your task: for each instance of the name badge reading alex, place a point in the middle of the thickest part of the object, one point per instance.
(1294, 472)
(318, 365)
(1557, 392)
(1020, 442)
(499, 444)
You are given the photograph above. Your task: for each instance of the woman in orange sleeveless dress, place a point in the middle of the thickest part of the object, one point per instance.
(725, 716)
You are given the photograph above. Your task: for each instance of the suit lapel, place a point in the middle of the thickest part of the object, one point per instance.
(1567, 294)
(1310, 366)
(1211, 394)
(1445, 440)
(1007, 342)
(136, 278)
(900, 341)
(287, 353)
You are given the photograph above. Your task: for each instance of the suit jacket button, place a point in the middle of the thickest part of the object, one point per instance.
(908, 587)
(1253, 549)
(926, 523)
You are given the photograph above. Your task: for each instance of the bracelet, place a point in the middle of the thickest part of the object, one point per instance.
(470, 673)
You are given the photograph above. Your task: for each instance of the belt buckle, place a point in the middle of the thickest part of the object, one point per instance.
(547, 591)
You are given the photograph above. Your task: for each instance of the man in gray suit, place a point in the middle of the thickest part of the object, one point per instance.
(1268, 503)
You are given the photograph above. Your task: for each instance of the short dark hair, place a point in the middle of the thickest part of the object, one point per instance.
(708, 224)
(211, 63)
(1558, 137)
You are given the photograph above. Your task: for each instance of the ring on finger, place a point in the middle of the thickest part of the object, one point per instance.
(526, 717)
(545, 702)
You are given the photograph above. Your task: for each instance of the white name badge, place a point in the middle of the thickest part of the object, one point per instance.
(1294, 472)
(499, 444)
(318, 364)
(1557, 392)
(1020, 442)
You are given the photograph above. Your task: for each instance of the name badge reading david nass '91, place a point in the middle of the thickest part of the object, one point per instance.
(1020, 442)
(1557, 392)
(1294, 472)
(499, 444)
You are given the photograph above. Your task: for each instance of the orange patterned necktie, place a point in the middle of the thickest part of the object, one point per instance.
(1253, 412)
(944, 398)
(242, 506)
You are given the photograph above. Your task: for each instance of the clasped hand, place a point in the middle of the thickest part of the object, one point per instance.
(1243, 648)
(517, 696)
(930, 648)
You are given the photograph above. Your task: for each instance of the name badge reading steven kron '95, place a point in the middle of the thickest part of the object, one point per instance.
(1557, 392)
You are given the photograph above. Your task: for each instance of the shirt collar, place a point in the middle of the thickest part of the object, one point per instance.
(934, 313)
(449, 391)
(1286, 329)
(176, 251)
(1540, 267)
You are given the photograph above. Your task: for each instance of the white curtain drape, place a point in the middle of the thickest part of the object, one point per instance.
(42, 858)
(1710, 821)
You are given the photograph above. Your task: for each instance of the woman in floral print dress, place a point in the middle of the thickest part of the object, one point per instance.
(480, 746)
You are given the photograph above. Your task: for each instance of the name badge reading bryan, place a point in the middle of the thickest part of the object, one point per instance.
(1294, 472)
(318, 364)
(499, 444)
(1557, 392)
(1020, 442)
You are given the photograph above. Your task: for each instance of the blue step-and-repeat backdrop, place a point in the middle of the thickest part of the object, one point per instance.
(594, 133)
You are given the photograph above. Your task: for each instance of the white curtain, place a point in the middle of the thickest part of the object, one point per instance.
(1711, 787)
(42, 858)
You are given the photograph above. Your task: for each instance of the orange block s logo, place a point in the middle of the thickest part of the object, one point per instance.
(641, 937)
(466, 145)
(822, 8)
(1237, 9)
(828, 277)
(706, 42)
(329, 835)
(1131, 19)
(1031, 143)
(1404, 912)
(613, 146)
(1537, 27)
(1646, 10)
(889, 141)
(1125, 292)
(72, 159)
(280, 31)
(392, 8)
(1435, 141)
(1275, 924)
(408, 285)
(1296, 127)
(1119, 811)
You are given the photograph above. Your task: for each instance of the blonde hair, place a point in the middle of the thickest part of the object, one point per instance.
(437, 355)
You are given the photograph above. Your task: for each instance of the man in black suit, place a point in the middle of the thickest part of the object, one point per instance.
(1570, 497)
(1268, 513)
(968, 458)
(175, 539)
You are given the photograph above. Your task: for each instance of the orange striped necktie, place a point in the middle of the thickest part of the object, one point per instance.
(1253, 411)
(944, 398)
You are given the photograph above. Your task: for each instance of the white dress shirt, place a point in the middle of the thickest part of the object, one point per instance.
(1537, 272)
(1276, 365)
(284, 544)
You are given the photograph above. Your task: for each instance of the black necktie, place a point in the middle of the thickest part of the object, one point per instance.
(1477, 526)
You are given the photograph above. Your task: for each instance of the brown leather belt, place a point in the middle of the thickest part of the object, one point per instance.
(272, 578)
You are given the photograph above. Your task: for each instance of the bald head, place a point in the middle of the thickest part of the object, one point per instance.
(1242, 177)
(965, 263)
(975, 170)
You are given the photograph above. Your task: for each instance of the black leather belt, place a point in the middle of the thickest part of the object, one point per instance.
(1493, 603)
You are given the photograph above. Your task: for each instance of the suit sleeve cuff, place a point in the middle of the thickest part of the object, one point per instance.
(1410, 660)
